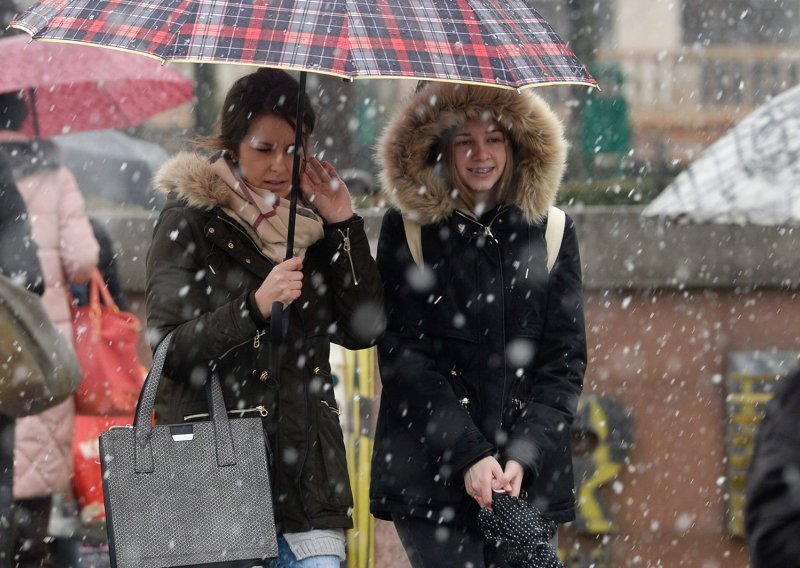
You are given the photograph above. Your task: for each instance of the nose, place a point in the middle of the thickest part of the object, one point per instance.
(479, 151)
(277, 160)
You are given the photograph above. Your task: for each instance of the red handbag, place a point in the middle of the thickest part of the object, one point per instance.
(106, 341)
(88, 478)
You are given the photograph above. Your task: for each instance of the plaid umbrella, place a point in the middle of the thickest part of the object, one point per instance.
(474, 41)
(503, 44)
(466, 41)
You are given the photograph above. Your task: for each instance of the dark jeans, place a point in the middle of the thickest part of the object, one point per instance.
(32, 546)
(431, 545)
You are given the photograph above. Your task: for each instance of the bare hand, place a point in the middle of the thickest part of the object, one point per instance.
(323, 187)
(283, 284)
(512, 475)
(481, 478)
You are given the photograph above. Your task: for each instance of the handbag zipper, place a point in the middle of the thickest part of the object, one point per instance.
(262, 410)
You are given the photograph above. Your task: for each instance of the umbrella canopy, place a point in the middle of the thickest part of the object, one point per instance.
(476, 41)
(73, 88)
(114, 166)
(470, 41)
(750, 175)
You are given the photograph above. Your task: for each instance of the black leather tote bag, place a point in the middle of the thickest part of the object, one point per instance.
(194, 494)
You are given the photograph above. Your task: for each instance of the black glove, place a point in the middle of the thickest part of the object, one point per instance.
(520, 531)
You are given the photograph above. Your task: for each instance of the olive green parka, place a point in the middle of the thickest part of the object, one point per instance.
(202, 271)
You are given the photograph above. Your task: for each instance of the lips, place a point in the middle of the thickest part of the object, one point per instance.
(481, 171)
(273, 184)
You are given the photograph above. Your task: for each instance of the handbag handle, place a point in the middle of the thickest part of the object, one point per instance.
(143, 426)
(97, 289)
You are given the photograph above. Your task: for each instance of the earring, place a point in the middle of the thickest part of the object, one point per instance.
(230, 156)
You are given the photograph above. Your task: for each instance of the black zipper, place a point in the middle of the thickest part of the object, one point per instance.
(487, 230)
(248, 237)
(239, 413)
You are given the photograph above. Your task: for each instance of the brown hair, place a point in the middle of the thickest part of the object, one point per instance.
(506, 188)
(265, 92)
(13, 110)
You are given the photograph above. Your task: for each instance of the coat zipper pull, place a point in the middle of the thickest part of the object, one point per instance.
(346, 246)
(257, 339)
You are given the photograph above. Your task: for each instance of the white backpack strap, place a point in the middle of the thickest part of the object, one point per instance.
(554, 234)
(414, 238)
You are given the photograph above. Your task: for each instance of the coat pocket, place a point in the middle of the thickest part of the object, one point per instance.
(466, 393)
(327, 482)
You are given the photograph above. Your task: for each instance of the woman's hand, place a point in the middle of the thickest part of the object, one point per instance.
(283, 284)
(513, 474)
(482, 477)
(323, 187)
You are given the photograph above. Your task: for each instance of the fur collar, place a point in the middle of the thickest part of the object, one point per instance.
(190, 177)
(416, 187)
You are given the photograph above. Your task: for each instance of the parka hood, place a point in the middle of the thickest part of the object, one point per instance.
(190, 177)
(408, 147)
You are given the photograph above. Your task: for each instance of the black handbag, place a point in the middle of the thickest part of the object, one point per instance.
(187, 494)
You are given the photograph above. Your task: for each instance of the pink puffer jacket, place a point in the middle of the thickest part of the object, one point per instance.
(67, 251)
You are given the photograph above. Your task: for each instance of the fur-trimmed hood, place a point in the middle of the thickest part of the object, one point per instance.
(190, 176)
(407, 147)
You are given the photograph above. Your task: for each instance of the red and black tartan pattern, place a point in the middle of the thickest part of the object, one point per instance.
(500, 42)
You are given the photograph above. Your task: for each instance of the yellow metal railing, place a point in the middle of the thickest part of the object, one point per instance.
(360, 368)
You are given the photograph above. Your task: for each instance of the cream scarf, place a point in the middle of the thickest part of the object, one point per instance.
(265, 216)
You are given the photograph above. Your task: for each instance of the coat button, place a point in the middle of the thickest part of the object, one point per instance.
(264, 377)
(211, 230)
(247, 260)
(230, 245)
(317, 370)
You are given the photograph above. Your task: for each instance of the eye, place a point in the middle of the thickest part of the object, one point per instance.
(496, 140)
(463, 142)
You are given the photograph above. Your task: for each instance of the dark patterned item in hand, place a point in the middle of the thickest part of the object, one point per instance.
(520, 531)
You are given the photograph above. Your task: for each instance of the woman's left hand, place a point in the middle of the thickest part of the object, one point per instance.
(513, 474)
(323, 187)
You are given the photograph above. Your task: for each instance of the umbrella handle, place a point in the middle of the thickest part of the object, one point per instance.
(278, 331)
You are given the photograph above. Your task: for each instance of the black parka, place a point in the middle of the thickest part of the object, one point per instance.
(484, 352)
(772, 507)
(202, 268)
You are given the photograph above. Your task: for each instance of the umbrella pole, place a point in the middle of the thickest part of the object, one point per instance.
(279, 319)
(34, 116)
(298, 149)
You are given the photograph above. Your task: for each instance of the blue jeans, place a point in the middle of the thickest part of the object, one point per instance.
(286, 559)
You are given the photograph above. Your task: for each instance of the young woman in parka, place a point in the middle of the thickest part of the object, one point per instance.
(483, 358)
(214, 269)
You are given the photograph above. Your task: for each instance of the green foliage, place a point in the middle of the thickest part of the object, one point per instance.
(612, 191)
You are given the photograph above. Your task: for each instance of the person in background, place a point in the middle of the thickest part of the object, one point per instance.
(108, 268)
(68, 252)
(484, 354)
(772, 504)
(216, 267)
(20, 262)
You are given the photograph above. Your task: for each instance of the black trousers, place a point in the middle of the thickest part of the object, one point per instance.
(33, 548)
(6, 490)
(432, 545)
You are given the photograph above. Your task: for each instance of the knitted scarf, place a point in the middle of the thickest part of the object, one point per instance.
(265, 216)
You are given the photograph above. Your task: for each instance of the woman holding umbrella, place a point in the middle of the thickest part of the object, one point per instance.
(483, 358)
(214, 271)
